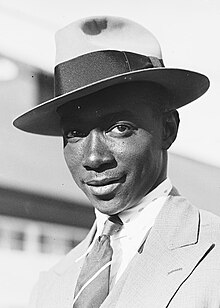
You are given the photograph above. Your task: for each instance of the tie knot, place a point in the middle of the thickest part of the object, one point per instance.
(112, 225)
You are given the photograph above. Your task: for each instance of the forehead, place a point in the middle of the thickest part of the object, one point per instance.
(134, 100)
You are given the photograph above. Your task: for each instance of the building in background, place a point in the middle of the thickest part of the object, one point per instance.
(37, 227)
(35, 232)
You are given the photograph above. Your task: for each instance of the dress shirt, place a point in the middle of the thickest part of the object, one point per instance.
(137, 221)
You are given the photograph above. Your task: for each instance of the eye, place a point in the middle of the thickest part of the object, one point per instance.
(74, 134)
(121, 130)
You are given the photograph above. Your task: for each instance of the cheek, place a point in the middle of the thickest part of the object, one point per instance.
(73, 159)
(144, 156)
(133, 154)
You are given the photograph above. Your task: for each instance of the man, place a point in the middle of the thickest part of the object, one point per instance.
(115, 107)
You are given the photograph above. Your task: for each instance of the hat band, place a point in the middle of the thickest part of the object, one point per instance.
(96, 66)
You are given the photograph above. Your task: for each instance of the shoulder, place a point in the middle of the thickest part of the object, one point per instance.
(49, 281)
(209, 218)
(68, 260)
(192, 220)
(210, 226)
(47, 277)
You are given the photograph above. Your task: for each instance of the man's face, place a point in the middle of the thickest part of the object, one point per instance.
(113, 146)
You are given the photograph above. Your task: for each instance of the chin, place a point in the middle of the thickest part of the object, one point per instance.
(108, 207)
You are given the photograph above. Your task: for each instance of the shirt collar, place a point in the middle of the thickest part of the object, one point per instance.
(162, 190)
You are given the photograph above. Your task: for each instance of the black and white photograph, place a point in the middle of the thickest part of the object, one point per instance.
(109, 154)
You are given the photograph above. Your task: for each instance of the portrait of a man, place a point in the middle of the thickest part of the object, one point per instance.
(116, 109)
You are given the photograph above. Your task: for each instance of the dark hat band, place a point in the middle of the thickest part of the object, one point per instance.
(96, 66)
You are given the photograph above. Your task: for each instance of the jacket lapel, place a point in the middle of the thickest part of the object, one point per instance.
(171, 253)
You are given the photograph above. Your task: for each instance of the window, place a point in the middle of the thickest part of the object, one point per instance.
(38, 237)
(17, 240)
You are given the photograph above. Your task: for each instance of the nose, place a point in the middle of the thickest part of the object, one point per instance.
(97, 155)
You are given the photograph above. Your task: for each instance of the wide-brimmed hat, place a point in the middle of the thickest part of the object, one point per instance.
(98, 52)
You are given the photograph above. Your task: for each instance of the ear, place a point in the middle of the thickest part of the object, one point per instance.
(170, 128)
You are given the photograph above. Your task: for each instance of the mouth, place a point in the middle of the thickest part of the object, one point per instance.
(106, 186)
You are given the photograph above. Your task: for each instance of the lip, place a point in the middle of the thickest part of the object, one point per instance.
(103, 181)
(104, 186)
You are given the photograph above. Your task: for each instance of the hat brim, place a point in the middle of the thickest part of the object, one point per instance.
(183, 85)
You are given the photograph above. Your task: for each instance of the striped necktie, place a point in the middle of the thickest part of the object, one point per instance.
(93, 283)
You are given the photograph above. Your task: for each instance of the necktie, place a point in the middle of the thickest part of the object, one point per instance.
(93, 283)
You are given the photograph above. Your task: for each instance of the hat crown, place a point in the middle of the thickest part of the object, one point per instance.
(98, 52)
(104, 33)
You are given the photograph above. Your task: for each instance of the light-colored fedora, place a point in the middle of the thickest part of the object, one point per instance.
(97, 52)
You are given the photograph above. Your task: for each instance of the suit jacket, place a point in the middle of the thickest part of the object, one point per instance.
(178, 266)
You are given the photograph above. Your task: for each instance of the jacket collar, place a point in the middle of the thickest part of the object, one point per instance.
(171, 252)
(177, 224)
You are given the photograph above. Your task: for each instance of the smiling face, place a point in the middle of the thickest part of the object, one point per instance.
(114, 145)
